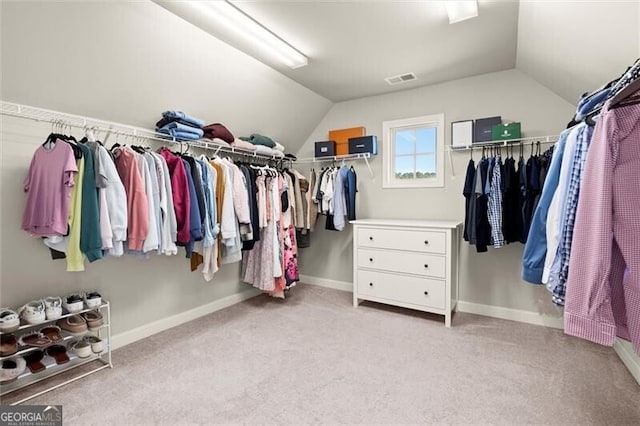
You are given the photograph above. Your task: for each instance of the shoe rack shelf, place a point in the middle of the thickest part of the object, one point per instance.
(27, 378)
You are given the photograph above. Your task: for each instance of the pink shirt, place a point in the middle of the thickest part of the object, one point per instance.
(603, 288)
(48, 185)
(137, 206)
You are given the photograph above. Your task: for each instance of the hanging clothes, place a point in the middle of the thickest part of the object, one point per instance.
(603, 286)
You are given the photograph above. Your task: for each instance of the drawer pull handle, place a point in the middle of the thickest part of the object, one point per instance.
(370, 284)
(426, 266)
(426, 293)
(370, 238)
(371, 259)
(426, 242)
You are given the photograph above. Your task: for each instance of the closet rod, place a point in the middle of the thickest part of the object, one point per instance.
(110, 127)
(347, 157)
(509, 142)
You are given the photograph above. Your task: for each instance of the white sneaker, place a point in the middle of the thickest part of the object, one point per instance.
(53, 307)
(34, 312)
(9, 320)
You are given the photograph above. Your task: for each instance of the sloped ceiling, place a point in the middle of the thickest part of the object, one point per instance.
(573, 47)
(353, 45)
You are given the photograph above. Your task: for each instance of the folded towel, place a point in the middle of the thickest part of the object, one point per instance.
(174, 125)
(265, 150)
(218, 130)
(177, 134)
(166, 120)
(257, 139)
(278, 147)
(196, 122)
(239, 143)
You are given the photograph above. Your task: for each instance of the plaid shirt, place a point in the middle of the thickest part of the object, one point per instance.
(579, 158)
(495, 204)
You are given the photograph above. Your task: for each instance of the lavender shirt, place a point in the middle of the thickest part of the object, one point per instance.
(48, 185)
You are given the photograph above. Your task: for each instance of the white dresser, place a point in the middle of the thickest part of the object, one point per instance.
(408, 263)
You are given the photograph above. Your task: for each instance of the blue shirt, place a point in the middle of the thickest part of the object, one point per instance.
(535, 250)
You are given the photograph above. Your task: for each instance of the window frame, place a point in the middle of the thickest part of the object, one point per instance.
(388, 128)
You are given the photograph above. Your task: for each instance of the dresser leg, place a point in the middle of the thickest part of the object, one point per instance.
(447, 320)
(356, 302)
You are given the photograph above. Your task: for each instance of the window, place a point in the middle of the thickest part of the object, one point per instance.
(414, 152)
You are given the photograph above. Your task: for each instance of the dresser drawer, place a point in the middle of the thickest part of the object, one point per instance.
(400, 288)
(408, 263)
(398, 239)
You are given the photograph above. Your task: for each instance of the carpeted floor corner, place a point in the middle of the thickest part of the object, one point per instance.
(314, 359)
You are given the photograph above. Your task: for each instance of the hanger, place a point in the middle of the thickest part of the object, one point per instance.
(624, 97)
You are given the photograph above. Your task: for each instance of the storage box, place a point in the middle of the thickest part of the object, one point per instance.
(461, 133)
(341, 136)
(502, 132)
(363, 144)
(482, 128)
(325, 148)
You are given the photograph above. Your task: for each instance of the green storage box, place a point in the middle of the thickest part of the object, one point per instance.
(502, 132)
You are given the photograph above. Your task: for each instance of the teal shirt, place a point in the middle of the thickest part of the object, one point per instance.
(90, 238)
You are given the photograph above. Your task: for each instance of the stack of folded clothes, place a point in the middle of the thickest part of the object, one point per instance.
(179, 125)
(218, 131)
(265, 145)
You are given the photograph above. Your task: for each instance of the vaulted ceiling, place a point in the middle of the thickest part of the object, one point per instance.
(569, 46)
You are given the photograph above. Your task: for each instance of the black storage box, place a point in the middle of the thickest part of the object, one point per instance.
(482, 128)
(363, 144)
(325, 149)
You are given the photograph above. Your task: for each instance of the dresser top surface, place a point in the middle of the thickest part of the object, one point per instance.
(414, 223)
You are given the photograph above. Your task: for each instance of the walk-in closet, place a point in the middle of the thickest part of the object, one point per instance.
(309, 212)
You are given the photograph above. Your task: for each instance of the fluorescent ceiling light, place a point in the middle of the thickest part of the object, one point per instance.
(236, 20)
(461, 10)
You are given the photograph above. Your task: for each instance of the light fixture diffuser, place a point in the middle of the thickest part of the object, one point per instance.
(461, 10)
(234, 19)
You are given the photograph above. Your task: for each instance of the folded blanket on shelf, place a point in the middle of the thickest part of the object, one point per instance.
(178, 134)
(195, 122)
(278, 147)
(218, 130)
(265, 150)
(166, 120)
(239, 143)
(257, 139)
(181, 128)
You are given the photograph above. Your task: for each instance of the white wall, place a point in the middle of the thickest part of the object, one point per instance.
(491, 278)
(574, 47)
(125, 61)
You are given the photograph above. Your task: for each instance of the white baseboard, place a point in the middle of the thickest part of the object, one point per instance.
(528, 317)
(127, 337)
(324, 282)
(518, 315)
(628, 356)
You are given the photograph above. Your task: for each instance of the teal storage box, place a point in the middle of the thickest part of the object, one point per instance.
(501, 132)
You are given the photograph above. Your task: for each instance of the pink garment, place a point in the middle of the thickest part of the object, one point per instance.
(603, 287)
(137, 206)
(180, 194)
(48, 185)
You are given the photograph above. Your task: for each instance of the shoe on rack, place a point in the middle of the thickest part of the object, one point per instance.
(9, 320)
(8, 345)
(59, 353)
(52, 332)
(82, 348)
(34, 361)
(34, 312)
(34, 339)
(93, 299)
(75, 324)
(73, 303)
(53, 307)
(94, 319)
(11, 369)
(95, 342)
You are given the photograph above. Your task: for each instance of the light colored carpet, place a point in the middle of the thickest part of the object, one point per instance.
(315, 359)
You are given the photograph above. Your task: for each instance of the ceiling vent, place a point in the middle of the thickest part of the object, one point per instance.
(403, 78)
